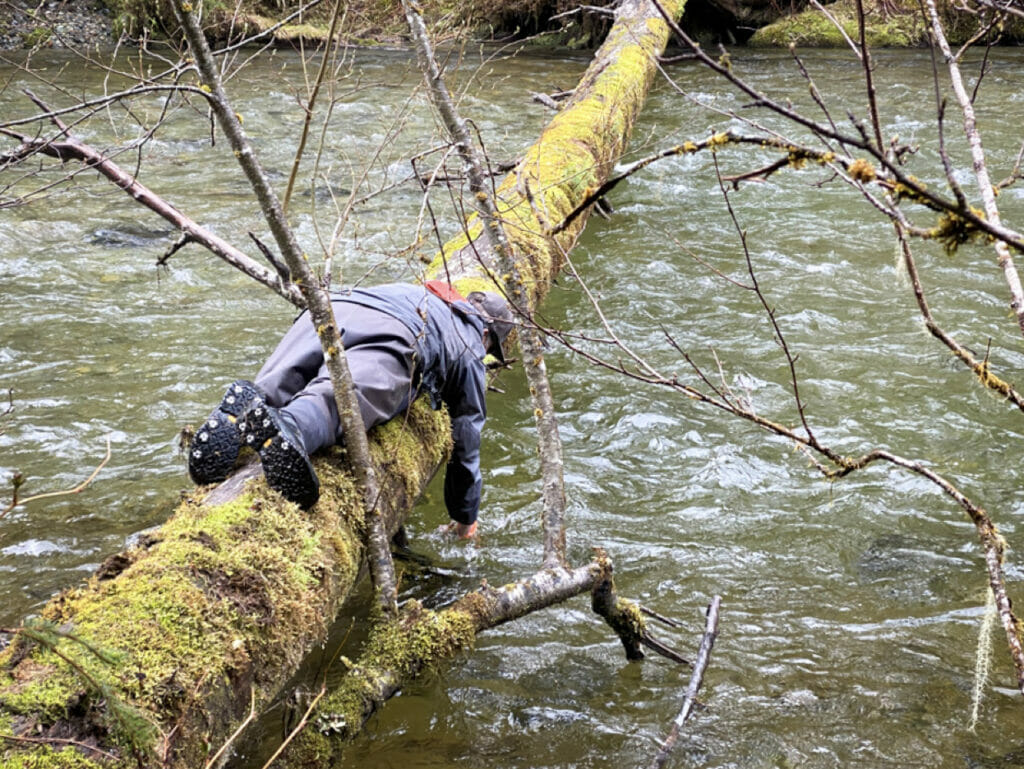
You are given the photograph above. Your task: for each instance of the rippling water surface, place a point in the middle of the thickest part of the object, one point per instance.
(850, 610)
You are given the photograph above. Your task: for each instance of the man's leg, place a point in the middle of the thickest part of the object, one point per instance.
(296, 360)
(380, 352)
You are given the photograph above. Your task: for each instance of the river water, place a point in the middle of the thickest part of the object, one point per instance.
(851, 611)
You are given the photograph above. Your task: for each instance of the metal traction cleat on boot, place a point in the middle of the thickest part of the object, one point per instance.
(214, 450)
(285, 464)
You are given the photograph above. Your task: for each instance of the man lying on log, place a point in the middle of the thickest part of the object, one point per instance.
(400, 340)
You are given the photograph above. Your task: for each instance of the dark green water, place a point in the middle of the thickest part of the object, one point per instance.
(850, 611)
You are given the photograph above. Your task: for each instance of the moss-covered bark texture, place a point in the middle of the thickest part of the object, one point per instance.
(888, 23)
(156, 660)
(158, 657)
(573, 156)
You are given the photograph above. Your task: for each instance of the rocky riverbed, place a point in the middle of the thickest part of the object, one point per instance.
(55, 24)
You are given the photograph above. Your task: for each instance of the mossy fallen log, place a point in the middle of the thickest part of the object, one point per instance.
(573, 157)
(158, 658)
(165, 647)
(398, 651)
(894, 24)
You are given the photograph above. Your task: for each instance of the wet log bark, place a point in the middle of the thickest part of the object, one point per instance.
(158, 658)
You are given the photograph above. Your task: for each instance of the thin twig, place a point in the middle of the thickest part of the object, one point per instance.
(696, 679)
(15, 502)
(241, 727)
(317, 302)
(70, 148)
(794, 380)
(5, 415)
(58, 741)
(299, 726)
(904, 181)
(668, 621)
(982, 369)
(310, 106)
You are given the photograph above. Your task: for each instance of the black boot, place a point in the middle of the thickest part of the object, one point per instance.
(285, 462)
(215, 446)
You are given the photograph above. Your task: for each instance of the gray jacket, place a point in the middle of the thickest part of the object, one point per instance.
(450, 369)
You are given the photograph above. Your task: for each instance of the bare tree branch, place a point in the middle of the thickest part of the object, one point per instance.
(18, 480)
(310, 105)
(985, 188)
(70, 148)
(549, 442)
(318, 304)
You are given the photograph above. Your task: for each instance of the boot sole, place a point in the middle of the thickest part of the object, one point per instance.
(216, 444)
(285, 465)
(289, 472)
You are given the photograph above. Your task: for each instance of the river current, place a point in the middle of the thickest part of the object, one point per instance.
(851, 610)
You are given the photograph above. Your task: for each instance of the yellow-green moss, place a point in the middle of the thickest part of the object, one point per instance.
(219, 597)
(45, 757)
(218, 587)
(953, 231)
(394, 652)
(38, 37)
(42, 689)
(631, 617)
(901, 26)
(401, 445)
(215, 590)
(572, 157)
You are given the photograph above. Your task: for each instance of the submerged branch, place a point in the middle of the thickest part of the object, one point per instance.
(696, 679)
(626, 619)
(398, 651)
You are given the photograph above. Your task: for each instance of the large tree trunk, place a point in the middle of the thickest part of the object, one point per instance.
(158, 658)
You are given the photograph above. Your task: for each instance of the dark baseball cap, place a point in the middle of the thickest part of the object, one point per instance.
(497, 316)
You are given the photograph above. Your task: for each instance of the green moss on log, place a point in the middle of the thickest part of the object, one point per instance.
(900, 24)
(412, 462)
(160, 652)
(573, 156)
(394, 652)
(45, 757)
